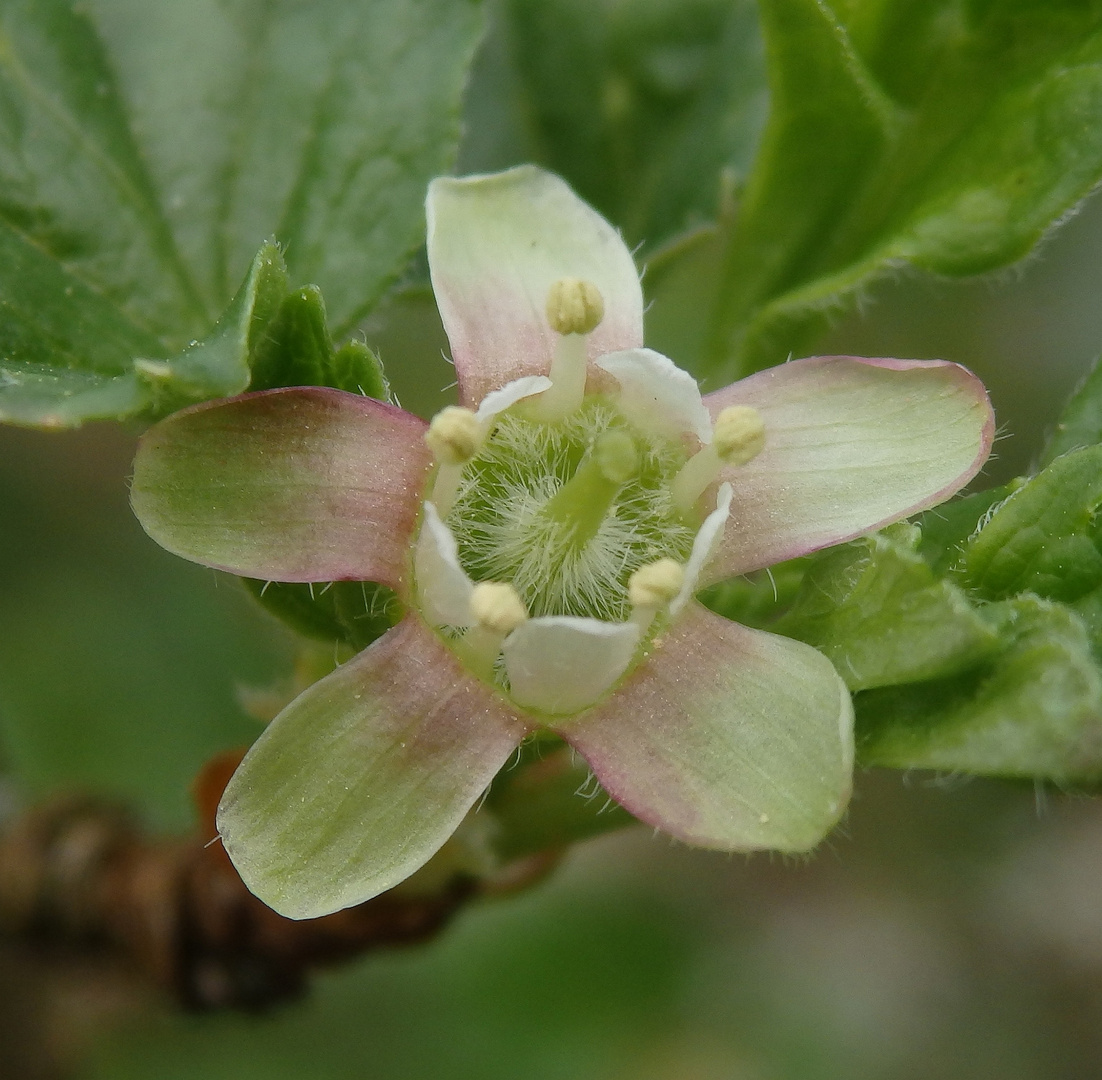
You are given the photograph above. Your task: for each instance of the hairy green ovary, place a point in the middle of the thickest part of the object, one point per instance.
(535, 508)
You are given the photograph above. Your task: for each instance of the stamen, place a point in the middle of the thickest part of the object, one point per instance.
(651, 588)
(584, 500)
(738, 435)
(455, 436)
(497, 611)
(496, 606)
(655, 584)
(574, 308)
(737, 438)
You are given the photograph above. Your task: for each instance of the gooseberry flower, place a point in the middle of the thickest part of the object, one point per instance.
(547, 536)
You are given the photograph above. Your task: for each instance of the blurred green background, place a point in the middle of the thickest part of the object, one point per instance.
(950, 929)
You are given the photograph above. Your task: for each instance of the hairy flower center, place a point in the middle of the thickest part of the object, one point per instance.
(567, 510)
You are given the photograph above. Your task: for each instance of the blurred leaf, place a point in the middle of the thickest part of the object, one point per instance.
(943, 135)
(1080, 424)
(758, 599)
(147, 151)
(353, 613)
(1035, 711)
(948, 527)
(66, 353)
(650, 109)
(1043, 538)
(879, 613)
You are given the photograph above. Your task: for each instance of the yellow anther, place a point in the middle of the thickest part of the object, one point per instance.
(455, 435)
(496, 607)
(656, 584)
(738, 435)
(574, 306)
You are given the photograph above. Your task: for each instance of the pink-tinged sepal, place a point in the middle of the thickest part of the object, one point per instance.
(851, 445)
(726, 738)
(302, 484)
(363, 777)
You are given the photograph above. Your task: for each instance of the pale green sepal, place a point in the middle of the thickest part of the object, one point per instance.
(363, 777)
(1035, 711)
(851, 444)
(877, 610)
(300, 484)
(726, 738)
(218, 365)
(496, 245)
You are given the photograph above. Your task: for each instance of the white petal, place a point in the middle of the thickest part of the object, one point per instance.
(443, 587)
(704, 547)
(496, 245)
(562, 664)
(657, 395)
(499, 400)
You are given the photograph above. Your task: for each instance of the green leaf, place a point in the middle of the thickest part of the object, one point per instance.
(66, 354)
(119, 384)
(828, 121)
(1043, 538)
(1080, 424)
(651, 110)
(328, 119)
(296, 350)
(1035, 711)
(879, 613)
(354, 613)
(933, 134)
(1030, 702)
(148, 150)
(73, 178)
(759, 598)
(219, 365)
(947, 528)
